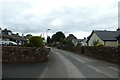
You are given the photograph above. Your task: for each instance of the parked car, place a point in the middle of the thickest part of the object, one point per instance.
(8, 43)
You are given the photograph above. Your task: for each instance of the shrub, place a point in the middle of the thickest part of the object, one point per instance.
(79, 44)
(95, 42)
(119, 45)
(99, 45)
(36, 41)
(69, 43)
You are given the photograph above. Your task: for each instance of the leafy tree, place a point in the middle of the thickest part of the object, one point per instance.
(28, 36)
(36, 41)
(63, 41)
(58, 36)
(70, 43)
(48, 40)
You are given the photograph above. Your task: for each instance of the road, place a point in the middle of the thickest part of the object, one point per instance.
(63, 64)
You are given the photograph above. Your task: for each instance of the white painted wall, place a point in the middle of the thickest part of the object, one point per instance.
(111, 43)
(93, 38)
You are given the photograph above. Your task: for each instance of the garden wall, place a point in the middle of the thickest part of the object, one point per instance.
(24, 54)
(110, 54)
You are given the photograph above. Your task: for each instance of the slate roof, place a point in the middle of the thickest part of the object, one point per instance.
(13, 36)
(106, 35)
(71, 37)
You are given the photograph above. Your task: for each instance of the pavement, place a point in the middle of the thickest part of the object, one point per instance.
(63, 64)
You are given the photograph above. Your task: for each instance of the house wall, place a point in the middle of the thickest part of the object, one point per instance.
(111, 43)
(93, 38)
(84, 43)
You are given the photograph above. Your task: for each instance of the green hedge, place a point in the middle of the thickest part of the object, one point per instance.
(119, 45)
(99, 45)
(36, 41)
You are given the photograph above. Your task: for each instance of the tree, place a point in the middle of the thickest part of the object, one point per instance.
(69, 43)
(28, 36)
(36, 41)
(58, 36)
(48, 40)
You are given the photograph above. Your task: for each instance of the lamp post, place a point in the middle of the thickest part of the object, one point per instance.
(47, 32)
(0, 33)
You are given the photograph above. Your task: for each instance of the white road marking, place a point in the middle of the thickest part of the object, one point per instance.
(72, 71)
(43, 74)
(78, 59)
(90, 66)
(100, 71)
(113, 68)
(83, 59)
(87, 59)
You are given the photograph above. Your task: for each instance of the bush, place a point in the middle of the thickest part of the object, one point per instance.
(99, 45)
(119, 45)
(95, 42)
(69, 43)
(36, 41)
(79, 44)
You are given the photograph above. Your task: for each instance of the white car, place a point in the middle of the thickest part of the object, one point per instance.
(7, 43)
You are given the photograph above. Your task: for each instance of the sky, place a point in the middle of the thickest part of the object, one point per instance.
(78, 17)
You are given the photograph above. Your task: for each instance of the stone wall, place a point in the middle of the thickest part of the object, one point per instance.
(16, 54)
(110, 54)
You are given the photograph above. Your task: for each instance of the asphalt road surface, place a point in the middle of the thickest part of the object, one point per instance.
(63, 64)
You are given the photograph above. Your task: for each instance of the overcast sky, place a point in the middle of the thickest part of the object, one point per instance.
(79, 17)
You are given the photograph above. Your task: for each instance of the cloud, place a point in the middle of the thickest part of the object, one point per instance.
(69, 16)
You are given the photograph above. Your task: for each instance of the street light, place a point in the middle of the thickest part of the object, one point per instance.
(47, 32)
(0, 33)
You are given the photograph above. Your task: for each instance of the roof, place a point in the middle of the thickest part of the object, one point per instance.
(13, 36)
(17, 37)
(71, 37)
(77, 40)
(106, 35)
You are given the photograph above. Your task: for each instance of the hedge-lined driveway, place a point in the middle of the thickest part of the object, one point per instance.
(62, 64)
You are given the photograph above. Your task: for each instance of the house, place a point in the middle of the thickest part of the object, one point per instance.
(75, 41)
(7, 35)
(71, 37)
(82, 42)
(107, 38)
